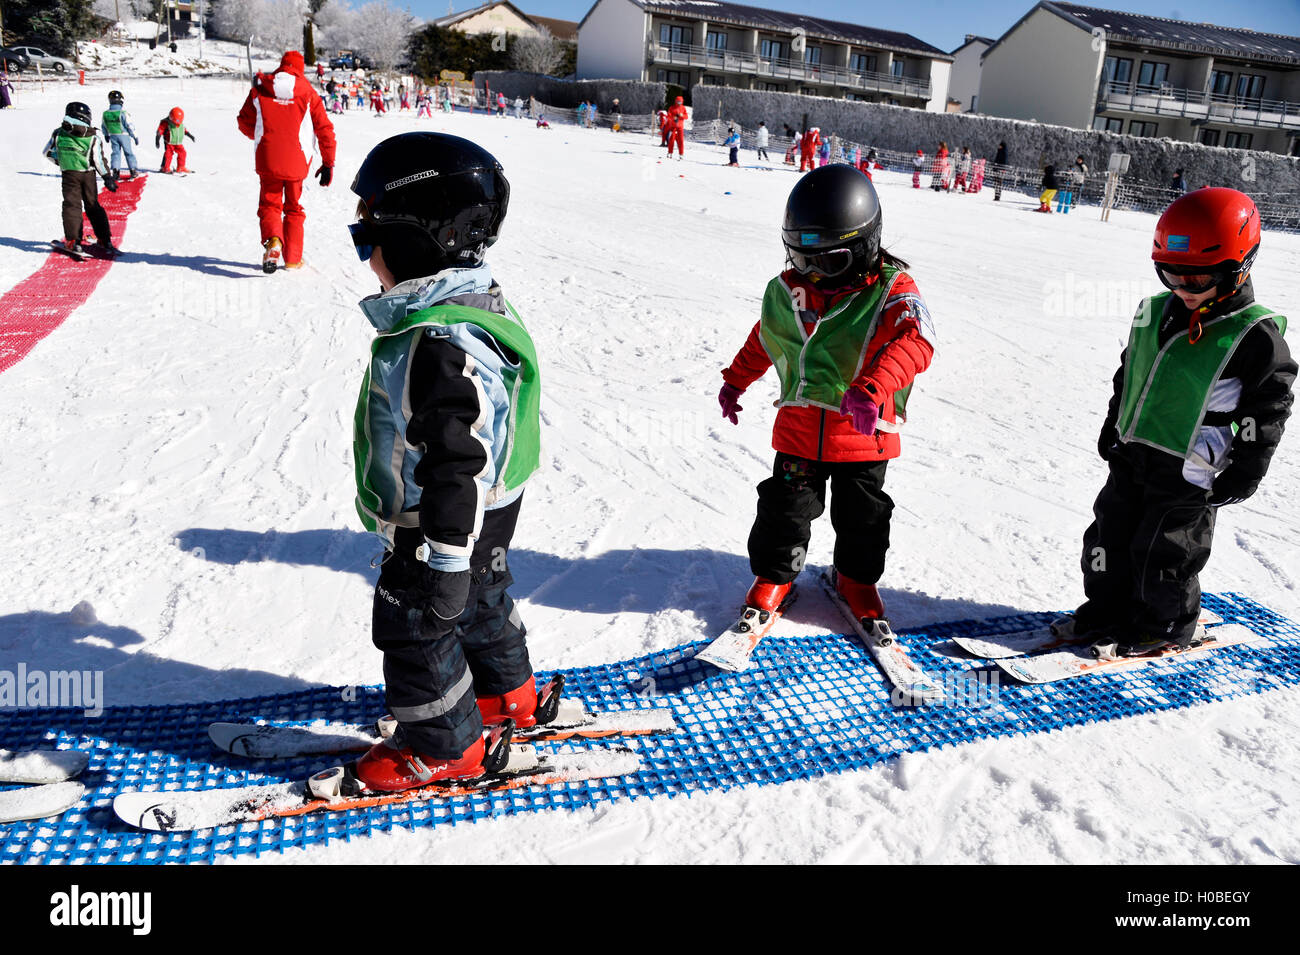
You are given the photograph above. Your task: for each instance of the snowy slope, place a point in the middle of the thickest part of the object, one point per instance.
(177, 456)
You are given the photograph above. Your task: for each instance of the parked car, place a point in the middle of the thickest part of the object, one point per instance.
(15, 62)
(45, 61)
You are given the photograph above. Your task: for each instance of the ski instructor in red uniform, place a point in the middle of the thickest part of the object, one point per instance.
(272, 118)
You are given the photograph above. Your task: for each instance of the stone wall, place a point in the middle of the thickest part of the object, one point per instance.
(1029, 144)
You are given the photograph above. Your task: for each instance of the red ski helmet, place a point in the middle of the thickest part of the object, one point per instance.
(177, 115)
(1209, 237)
(680, 101)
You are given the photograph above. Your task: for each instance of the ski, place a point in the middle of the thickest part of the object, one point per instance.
(270, 741)
(41, 765)
(732, 650)
(1077, 660)
(912, 686)
(58, 246)
(39, 802)
(208, 808)
(1020, 642)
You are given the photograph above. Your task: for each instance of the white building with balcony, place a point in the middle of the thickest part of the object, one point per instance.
(1078, 66)
(694, 42)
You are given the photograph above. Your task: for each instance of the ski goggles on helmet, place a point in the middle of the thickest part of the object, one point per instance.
(364, 238)
(1190, 278)
(823, 262)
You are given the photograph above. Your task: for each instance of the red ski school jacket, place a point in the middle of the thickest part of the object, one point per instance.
(900, 349)
(272, 117)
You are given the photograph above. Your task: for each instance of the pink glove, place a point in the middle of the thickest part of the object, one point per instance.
(862, 409)
(729, 399)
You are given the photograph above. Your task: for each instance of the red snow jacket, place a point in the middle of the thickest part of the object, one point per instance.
(812, 140)
(899, 351)
(272, 118)
(677, 116)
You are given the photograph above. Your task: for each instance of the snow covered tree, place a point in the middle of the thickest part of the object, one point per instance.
(538, 52)
(384, 33)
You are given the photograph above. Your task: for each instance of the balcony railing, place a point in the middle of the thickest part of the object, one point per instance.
(728, 61)
(1197, 105)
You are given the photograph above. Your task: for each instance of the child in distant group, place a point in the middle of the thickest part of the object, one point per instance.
(120, 134)
(519, 107)
(542, 122)
(423, 105)
(848, 333)
(732, 143)
(172, 129)
(1050, 187)
(918, 166)
(1197, 410)
(6, 86)
(942, 168)
(761, 139)
(963, 169)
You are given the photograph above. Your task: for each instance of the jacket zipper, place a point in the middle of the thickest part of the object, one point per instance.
(821, 433)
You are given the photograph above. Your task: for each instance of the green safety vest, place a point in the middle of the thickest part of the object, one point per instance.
(383, 474)
(73, 151)
(175, 133)
(113, 122)
(1167, 388)
(817, 368)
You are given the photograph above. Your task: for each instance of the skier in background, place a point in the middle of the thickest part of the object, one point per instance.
(120, 134)
(842, 394)
(1198, 407)
(1000, 169)
(1050, 185)
(677, 115)
(6, 87)
(761, 140)
(942, 167)
(272, 117)
(918, 166)
(453, 381)
(172, 128)
(75, 147)
(963, 169)
(732, 142)
(808, 145)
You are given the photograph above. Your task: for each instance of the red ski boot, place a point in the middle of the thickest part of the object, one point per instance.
(863, 599)
(392, 766)
(524, 704)
(767, 595)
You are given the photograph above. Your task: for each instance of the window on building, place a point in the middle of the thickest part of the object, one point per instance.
(707, 80)
(771, 49)
(716, 41)
(862, 63)
(1209, 137)
(1153, 75)
(1139, 128)
(1250, 86)
(897, 69)
(812, 55)
(672, 35)
(809, 91)
(1221, 83)
(774, 87)
(1238, 140)
(675, 77)
(1106, 125)
(1118, 69)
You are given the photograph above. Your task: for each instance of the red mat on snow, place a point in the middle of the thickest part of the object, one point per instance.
(41, 302)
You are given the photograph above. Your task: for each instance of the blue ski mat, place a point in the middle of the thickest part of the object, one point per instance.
(807, 707)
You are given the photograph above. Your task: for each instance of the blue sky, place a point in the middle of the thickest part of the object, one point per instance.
(945, 23)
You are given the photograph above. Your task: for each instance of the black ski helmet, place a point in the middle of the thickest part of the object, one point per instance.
(78, 111)
(832, 224)
(431, 200)
(115, 98)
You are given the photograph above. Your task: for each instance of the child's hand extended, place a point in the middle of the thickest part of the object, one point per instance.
(862, 408)
(729, 399)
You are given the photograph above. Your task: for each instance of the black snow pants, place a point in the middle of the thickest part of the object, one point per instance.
(1150, 539)
(81, 189)
(434, 668)
(795, 496)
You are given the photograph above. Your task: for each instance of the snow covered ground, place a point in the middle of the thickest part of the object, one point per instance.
(177, 456)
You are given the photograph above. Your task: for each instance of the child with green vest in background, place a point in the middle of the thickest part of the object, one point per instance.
(75, 147)
(447, 432)
(847, 331)
(171, 128)
(120, 134)
(1200, 400)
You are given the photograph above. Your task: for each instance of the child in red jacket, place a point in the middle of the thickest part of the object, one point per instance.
(848, 332)
(171, 128)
